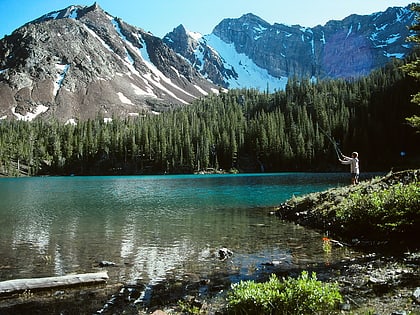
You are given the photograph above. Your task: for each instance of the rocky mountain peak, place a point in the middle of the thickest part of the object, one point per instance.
(250, 52)
(76, 12)
(202, 57)
(180, 30)
(250, 20)
(79, 62)
(244, 29)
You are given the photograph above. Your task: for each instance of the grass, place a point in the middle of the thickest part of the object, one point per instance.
(304, 295)
(392, 210)
(384, 208)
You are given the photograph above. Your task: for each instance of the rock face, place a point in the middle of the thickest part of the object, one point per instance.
(349, 48)
(81, 62)
(201, 56)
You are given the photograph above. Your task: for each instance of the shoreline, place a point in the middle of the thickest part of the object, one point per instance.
(380, 281)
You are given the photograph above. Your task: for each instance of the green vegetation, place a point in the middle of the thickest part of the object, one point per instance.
(413, 67)
(381, 215)
(396, 209)
(386, 208)
(304, 295)
(188, 308)
(242, 129)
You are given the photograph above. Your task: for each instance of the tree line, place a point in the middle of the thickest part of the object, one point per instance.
(244, 129)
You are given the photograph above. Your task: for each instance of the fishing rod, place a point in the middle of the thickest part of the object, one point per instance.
(334, 143)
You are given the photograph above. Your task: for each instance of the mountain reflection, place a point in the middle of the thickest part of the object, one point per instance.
(151, 228)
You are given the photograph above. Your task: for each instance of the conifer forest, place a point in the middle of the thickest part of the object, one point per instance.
(240, 130)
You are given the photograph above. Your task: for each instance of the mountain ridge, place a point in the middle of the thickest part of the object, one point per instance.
(347, 48)
(81, 62)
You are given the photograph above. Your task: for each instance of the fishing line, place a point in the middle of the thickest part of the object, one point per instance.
(334, 143)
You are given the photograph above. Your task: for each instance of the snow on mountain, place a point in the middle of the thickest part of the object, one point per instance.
(81, 62)
(249, 75)
(249, 52)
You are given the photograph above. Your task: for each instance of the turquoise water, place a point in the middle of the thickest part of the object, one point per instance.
(154, 227)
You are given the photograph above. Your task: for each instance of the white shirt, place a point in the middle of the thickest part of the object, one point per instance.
(354, 164)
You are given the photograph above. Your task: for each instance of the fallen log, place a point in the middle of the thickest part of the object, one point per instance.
(21, 285)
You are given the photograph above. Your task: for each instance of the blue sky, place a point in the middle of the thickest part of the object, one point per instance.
(161, 16)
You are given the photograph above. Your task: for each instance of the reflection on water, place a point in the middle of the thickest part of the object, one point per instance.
(153, 227)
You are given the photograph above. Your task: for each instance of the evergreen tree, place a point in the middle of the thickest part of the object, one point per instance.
(413, 67)
(244, 129)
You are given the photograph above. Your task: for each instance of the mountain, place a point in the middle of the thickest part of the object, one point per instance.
(81, 62)
(250, 52)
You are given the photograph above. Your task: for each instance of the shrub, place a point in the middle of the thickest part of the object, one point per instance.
(188, 308)
(396, 209)
(304, 295)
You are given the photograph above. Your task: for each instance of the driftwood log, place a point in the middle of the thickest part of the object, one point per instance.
(21, 285)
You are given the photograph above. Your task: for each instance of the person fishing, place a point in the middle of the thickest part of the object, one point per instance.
(353, 161)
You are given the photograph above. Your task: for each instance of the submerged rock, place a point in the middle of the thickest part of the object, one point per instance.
(224, 253)
(416, 295)
(105, 263)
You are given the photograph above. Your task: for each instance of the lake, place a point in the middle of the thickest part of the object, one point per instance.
(156, 227)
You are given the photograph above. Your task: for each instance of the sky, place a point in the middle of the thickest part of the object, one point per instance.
(162, 16)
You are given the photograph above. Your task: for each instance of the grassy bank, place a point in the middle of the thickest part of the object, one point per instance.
(382, 210)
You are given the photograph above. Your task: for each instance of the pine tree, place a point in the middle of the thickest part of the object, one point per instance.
(413, 68)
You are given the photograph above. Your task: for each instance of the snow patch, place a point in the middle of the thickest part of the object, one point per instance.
(155, 76)
(195, 35)
(60, 77)
(30, 115)
(393, 38)
(73, 14)
(260, 28)
(71, 121)
(176, 71)
(52, 15)
(98, 38)
(395, 55)
(249, 74)
(200, 90)
(381, 28)
(139, 91)
(124, 99)
(313, 46)
(323, 38)
(349, 31)
(199, 54)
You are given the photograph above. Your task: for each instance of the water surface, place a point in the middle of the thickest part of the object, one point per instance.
(153, 227)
